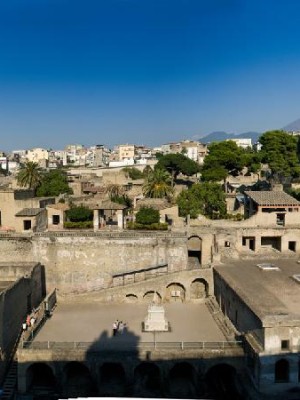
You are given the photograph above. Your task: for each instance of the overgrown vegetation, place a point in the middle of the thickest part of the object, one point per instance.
(53, 183)
(176, 164)
(79, 214)
(133, 173)
(78, 225)
(147, 218)
(206, 198)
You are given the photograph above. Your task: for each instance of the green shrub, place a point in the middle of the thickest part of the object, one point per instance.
(147, 216)
(79, 214)
(151, 227)
(78, 225)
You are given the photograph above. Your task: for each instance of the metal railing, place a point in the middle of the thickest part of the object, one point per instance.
(129, 346)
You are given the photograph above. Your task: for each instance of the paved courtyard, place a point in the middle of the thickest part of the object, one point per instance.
(93, 322)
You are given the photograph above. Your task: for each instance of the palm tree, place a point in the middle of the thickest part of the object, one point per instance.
(29, 175)
(114, 190)
(147, 170)
(158, 184)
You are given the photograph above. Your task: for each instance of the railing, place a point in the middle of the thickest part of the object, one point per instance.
(110, 234)
(41, 314)
(128, 346)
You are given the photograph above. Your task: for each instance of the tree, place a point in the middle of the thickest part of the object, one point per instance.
(224, 158)
(79, 214)
(54, 183)
(178, 163)
(123, 199)
(29, 175)
(147, 216)
(280, 151)
(114, 190)
(158, 184)
(147, 170)
(202, 198)
(133, 173)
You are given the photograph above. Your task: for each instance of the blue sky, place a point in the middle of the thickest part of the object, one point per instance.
(145, 71)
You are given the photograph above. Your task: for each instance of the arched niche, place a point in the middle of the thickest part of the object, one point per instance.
(152, 295)
(175, 292)
(199, 289)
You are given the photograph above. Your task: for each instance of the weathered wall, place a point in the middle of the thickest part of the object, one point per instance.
(86, 261)
(27, 291)
(236, 310)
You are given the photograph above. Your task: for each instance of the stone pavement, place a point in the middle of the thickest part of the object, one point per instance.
(91, 322)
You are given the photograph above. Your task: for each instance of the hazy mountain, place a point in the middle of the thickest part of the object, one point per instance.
(220, 136)
(293, 126)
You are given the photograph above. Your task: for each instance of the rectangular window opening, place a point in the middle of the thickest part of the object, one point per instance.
(285, 345)
(292, 246)
(55, 219)
(27, 224)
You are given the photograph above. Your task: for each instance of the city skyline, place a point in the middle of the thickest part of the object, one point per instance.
(125, 72)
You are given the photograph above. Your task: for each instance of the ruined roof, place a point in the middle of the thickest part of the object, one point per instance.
(272, 198)
(157, 204)
(106, 205)
(59, 206)
(29, 212)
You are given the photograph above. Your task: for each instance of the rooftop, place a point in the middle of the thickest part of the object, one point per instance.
(272, 294)
(157, 204)
(272, 198)
(29, 212)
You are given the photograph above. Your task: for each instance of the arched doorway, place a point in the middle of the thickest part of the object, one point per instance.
(77, 381)
(182, 382)
(175, 292)
(152, 295)
(221, 382)
(40, 380)
(194, 246)
(147, 380)
(199, 289)
(282, 371)
(112, 380)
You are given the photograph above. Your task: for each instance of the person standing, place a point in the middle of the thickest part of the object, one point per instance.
(115, 328)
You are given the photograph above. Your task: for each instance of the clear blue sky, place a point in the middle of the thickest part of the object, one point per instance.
(145, 71)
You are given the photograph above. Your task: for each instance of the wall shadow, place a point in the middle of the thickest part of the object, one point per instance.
(123, 366)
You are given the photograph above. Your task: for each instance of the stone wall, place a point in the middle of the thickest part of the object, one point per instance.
(79, 262)
(242, 317)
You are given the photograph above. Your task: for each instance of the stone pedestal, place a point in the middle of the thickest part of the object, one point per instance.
(156, 320)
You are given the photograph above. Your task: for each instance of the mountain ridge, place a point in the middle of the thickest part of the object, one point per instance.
(219, 136)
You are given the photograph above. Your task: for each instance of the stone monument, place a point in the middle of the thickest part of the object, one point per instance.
(156, 320)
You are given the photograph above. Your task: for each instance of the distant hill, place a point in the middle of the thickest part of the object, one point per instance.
(293, 126)
(221, 136)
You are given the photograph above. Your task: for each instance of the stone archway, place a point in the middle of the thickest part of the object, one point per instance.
(194, 246)
(182, 381)
(112, 380)
(147, 380)
(175, 291)
(199, 289)
(221, 382)
(40, 378)
(77, 381)
(150, 295)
